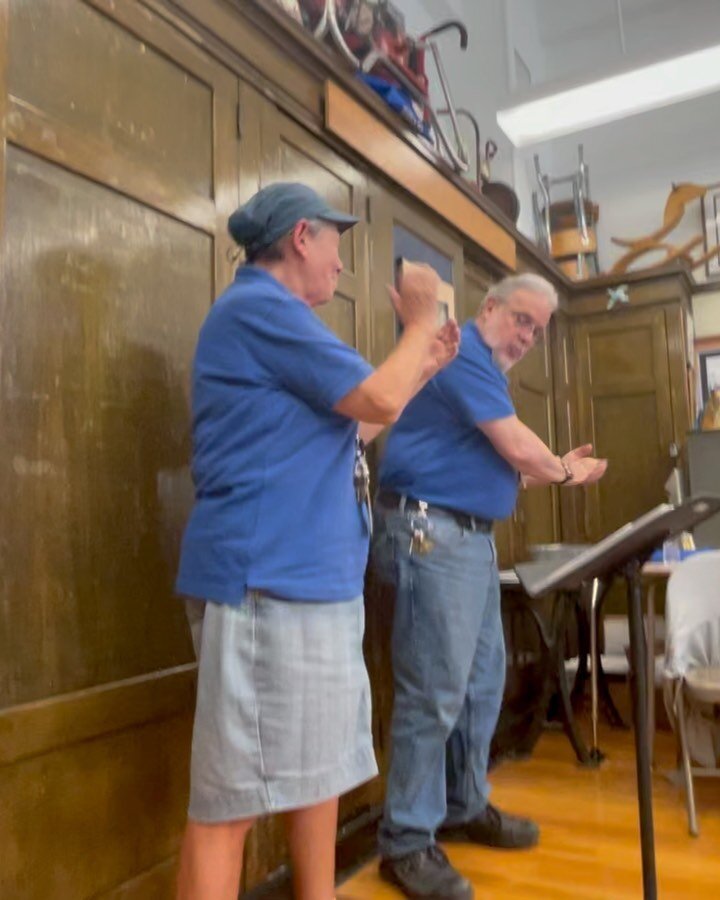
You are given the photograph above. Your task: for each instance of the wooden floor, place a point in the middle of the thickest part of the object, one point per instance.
(589, 845)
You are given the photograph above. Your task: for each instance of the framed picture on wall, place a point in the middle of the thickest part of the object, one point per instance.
(709, 361)
(711, 228)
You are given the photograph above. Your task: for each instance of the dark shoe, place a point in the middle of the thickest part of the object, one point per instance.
(426, 875)
(494, 829)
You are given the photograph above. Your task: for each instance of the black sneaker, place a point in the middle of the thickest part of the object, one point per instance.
(494, 829)
(426, 875)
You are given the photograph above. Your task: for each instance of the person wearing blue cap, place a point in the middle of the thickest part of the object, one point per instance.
(274, 553)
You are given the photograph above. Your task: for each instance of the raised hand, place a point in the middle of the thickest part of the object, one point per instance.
(416, 301)
(585, 467)
(443, 349)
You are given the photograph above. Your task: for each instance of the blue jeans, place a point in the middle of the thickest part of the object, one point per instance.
(448, 656)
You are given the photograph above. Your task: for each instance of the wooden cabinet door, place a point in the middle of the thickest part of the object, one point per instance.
(625, 411)
(531, 387)
(291, 153)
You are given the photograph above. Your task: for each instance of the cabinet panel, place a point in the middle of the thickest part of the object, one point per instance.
(104, 301)
(290, 153)
(625, 411)
(168, 129)
(531, 386)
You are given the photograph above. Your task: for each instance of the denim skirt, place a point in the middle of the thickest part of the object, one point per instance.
(282, 719)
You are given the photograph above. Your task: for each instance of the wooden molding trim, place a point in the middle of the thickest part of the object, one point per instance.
(36, 728)
(357, 127)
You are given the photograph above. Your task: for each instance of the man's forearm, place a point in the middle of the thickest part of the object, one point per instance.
(536, 462)
(524, 450)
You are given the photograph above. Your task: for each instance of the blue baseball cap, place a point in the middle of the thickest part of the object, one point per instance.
(275, 210)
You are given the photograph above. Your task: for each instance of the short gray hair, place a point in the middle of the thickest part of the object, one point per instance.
(533, 284)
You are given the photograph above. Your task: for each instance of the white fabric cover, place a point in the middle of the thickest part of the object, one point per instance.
(692, 641)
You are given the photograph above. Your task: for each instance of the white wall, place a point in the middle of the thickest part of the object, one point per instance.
(581, 37)
(478, 77)
(523, 22)
(707, 315)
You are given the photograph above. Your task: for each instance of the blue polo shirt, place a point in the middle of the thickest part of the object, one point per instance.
(275, 506)
(437, 453)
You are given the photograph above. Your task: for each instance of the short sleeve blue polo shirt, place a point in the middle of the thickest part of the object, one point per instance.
(275, 505)
(437, 453)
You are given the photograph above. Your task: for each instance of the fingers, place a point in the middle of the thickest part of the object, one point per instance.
(589, 471)
(599, 470)
(580, 452)
(394, 298)
(418, 290)
(453, 332)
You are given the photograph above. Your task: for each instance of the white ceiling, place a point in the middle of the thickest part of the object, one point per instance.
(573, 38)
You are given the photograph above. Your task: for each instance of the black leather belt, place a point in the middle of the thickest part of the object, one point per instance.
(392, 500)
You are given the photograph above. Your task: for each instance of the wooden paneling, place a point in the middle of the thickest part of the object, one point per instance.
(531, 386)
(166, 130)
(122, 165)
(571, 501)
(104, 301)
(157, 882)
(477, 283)
(77, 821)
(267, 59)
(34, 729)
(340, 316)
(290, 153)
(625, 411)
(355, 125)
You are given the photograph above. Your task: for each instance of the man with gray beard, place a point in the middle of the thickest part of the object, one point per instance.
(452, 465)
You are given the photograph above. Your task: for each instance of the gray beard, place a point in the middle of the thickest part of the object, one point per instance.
(503, 365)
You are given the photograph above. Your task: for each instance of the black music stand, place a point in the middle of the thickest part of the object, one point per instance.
(624, 552)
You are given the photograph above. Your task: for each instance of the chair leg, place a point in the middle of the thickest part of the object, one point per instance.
(686, 763)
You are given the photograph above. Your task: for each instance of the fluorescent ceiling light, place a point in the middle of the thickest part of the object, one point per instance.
(615, 97)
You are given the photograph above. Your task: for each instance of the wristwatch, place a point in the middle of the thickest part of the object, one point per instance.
(568, 472)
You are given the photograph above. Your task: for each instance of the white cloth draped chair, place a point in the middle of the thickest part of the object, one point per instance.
(692, 668)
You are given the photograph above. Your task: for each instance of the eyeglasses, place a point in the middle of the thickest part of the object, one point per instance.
(524, 323)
